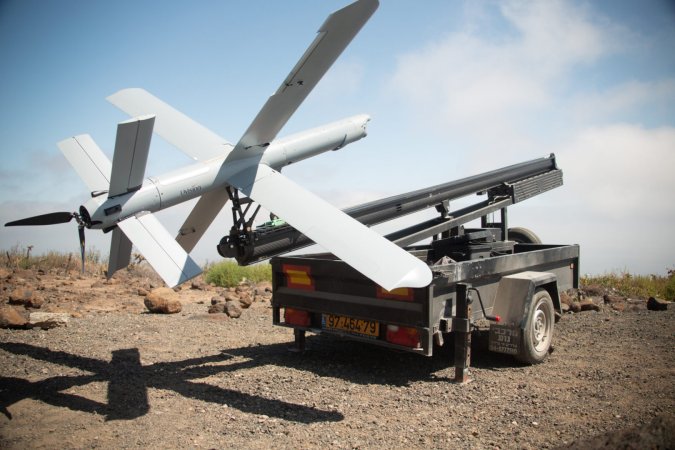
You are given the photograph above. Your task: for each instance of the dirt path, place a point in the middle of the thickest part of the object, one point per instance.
(121, 378)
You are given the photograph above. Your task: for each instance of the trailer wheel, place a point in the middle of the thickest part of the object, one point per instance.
(523, 236)
(538, 332)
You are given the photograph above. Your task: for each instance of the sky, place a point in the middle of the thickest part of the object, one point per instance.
(454, 88)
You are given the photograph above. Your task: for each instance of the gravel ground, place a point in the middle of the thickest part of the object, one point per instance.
(125, 379)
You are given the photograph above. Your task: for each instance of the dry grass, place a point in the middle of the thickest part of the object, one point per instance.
(23, 258)
(635, 286)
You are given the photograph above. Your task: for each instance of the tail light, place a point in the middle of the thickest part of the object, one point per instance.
(297, 317)
(406, 336)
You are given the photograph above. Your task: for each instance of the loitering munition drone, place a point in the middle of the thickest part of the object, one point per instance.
(123, 200)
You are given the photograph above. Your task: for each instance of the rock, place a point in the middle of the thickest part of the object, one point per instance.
(217, 308)
(142, 292)
(20, 296)
(25, 297)
(264, 287)
(611, 299)
(566, 299)
(241, 288)
(565, 307)
(229, 297)
(11, 318)
(656, 304)
(245, 300)
(97, 284)
(47, 320)
(198, 285)
(233, 309)
(588, 305)
(163, 301)
(594, 290)
(217, 299)
(575, 307)
(620, 307)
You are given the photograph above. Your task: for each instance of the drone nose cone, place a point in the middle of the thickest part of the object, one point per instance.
(85, 216)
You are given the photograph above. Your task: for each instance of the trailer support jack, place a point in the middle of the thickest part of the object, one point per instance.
(461, 326)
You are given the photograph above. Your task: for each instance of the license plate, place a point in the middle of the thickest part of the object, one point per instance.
(504, 339)
(349, 324)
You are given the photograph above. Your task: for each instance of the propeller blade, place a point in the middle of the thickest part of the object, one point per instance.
(44, 219)
(80, 231)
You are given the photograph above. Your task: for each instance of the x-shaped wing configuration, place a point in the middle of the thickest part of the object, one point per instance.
(123, 199)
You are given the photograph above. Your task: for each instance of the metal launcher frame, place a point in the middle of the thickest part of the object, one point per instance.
(504, 187)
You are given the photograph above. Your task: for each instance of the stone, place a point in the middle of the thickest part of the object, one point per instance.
(20, 296)
(230, 297)
(241, 288)
(11, 318)
(566, 299)
(620, 307)
(198, 285)
(217, 308)
(163, 301)
(47, 320)
(217, 299)
(97, 284)
(611, 299)
(565, 307)
(656, 304)
(233, 309)
(142, 292)
(25, 297)
(265, 287)
(245, 300)
(588, 305)
(575, 307)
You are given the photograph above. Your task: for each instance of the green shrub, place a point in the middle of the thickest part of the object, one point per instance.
(230, 274)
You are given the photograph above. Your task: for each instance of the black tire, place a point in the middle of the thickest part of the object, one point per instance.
(523, 236)
(538, 332)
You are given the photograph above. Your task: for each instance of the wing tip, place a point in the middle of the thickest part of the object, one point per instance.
(420, 276)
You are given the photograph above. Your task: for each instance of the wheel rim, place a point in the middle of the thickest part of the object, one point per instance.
(541, 328)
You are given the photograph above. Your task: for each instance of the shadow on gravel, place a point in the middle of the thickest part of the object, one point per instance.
(128, 382)
(361, 363)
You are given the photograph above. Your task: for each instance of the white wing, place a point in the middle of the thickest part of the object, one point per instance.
(362, 248)
(88, 160)
(176, 128)
(334, 35)
(160, 249)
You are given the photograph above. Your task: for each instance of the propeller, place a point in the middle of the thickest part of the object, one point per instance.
(44, 219)
(53, 219)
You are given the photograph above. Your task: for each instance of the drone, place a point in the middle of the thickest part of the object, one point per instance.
(123, 199)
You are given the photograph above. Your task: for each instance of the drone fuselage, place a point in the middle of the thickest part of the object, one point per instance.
(195, 180)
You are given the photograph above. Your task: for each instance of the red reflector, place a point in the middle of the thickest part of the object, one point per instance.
(405, 336)
(298, 277)
(296, 317)
(498, 319)
(405, 294)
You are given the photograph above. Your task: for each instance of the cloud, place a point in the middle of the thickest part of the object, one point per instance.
(623, 172)
(618, 100)
(487, 86)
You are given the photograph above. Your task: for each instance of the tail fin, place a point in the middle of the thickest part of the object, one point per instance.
(126, 174)
(161, 250)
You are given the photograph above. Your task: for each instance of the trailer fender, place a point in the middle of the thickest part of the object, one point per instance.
(512, 304)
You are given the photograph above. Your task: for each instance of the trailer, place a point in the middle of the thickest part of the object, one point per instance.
(492, 274)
